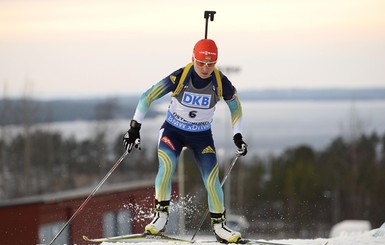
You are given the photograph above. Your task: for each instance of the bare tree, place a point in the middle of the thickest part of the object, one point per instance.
(27, 112)
(355, 126)
(4, 117)
(104, 112)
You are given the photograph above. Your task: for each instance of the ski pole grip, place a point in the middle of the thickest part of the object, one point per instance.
(207, 15)
(210, 14)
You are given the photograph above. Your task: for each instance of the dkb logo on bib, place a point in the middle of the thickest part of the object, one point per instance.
(196, 100)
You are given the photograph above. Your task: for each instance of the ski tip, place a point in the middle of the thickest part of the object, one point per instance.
(243, 241)
(85, 238)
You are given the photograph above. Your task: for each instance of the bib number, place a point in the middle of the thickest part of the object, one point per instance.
(192, 114)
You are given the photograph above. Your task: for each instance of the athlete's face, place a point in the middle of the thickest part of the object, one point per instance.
(204, 69)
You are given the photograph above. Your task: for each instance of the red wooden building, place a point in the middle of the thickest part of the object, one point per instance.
(114, 210)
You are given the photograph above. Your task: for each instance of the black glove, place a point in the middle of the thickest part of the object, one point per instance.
(132, 137)
(242, 146)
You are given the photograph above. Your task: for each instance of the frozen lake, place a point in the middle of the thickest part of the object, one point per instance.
(269, 126)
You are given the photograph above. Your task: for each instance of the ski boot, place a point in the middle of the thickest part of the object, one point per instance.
(222, 232)
(158, 224)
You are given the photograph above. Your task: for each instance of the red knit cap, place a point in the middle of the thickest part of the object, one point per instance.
(205, 50)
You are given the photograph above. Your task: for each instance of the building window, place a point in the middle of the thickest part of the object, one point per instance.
(48, 231)
(117, 223)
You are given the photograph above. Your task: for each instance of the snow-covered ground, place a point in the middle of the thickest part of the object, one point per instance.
(372, 237)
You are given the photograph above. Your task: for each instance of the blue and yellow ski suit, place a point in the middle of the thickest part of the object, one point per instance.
(188, 124)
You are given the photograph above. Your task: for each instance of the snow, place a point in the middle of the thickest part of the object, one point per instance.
(350, 226)
(372, 237)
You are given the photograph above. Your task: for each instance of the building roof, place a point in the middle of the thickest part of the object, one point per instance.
(77, 193)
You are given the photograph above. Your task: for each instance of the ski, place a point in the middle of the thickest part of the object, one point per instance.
(145, 237)
(141, 237)
(244, 241)
(263, 242)
(259, 242)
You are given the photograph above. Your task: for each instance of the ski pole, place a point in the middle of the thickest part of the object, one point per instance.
(223, 181)
(90, 196)
(207, 15)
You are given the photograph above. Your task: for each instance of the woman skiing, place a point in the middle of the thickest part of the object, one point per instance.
(196, 88)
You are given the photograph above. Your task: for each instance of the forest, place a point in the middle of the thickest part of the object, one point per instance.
(300, 187)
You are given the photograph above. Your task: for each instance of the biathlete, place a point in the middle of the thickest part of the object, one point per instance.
(196, 89)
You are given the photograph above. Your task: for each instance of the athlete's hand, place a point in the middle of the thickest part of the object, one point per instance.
(242, 146)
(132, 137)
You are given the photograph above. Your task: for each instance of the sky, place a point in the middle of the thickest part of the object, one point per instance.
(65, 48)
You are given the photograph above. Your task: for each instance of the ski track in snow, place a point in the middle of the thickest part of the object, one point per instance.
(366, 238)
